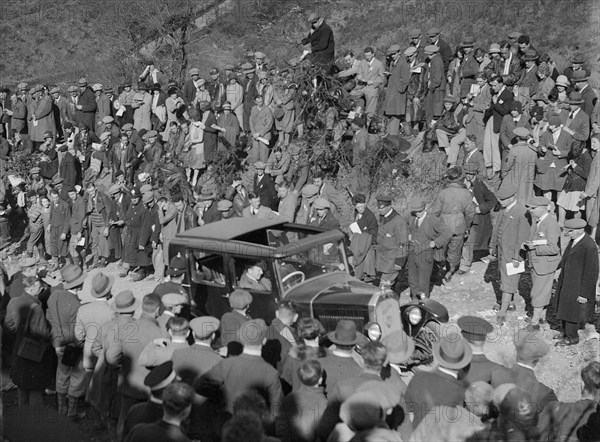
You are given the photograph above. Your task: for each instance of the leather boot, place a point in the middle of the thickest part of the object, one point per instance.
(62, 403)
(73, 411)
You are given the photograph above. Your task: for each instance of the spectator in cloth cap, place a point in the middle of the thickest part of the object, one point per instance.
(396, 90)
(322, 216)
(247, 371)
(40, 116)
(240, 301)
(85, 105)
(173, 303)
(518, 168)
(531, 348)
(102, 106)
(261, 122)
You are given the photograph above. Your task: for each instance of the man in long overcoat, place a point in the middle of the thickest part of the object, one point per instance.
(395, 93)
(392, 241)
(86, 105)
(576, 288)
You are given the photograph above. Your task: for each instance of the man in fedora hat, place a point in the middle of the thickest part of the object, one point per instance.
(576, 288)
(92, 315)
(475, 330)
(322, 43)
(531, 348)
(249, 370)
(578, 122)
(339, 363)
(248, 82)
(510, 232)
(85, 104)
(159, 378)
(578, 61)
(440, 386)
(529, 82)
(124, 353)
(581, 82)
(63, 304)
(543, 254)
(428, 235)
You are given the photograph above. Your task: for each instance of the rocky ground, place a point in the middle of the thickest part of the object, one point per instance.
(470, 294)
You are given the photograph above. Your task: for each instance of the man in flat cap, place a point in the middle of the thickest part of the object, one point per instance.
(475, 330)
(416, 41)
(575, 293)
(322, 43)
(435, 84)
(428, 236)
(59, 109)
(415, 93)
(531, 348)
(395, 96)
(444, 48)
(511, 231)
(86, 105)
(391, 250)
(261, 122)
(543, 253)
(103, 108)
(518, 169)
(322, 216)
(192, 362)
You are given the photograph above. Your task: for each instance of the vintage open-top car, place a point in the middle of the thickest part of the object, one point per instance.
(298, 263)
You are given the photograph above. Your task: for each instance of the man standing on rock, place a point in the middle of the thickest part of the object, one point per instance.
(511, 231)
(544, 256)
(576, 287)
(322, 43)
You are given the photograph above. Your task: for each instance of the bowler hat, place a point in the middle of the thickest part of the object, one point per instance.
(252, 332)
(177, 265)
(160, 376)
(578, 58)
(399, 346)
(321, 203)
(474, 328)
(575, 223)
(82, 82)
(574, 98)
(204, 326)
(345, 334)
(240, 299)
(125, 302)
(530, 345)
(537, 201)
(468, 42)
(554, 120)
(417, 204)
(579, 76)
(452, 351)
(101, 284)
(72, 276)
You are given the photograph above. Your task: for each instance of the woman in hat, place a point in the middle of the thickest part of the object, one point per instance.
(235, 97)
(231, 123)
(562, 88)
(202, 94)
(174, 104)
(211, 131)
(580, 159)
(454, 74)
(546, 83)
(102, 107)
(264, 88)
(193, 152)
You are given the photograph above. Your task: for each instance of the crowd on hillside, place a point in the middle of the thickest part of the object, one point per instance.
(499, 113)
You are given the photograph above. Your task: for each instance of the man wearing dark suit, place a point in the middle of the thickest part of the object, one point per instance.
(440, 386)
(322, 216)
(339, 205)
(576, 287)
(531, 348)
(511, 68)
(86, 105)
(428, 235)
(512, 230)
(543, 253)
(445, 51)
(188, 92)
(237, 374)
(152, 410)
(475, 329)
(555, 144)
(587, 94)
(391, 249)
(322, 43)
(436, 84)
(473, 157)
(264, 187)
(511, 121)
(500, 106)
(578, 122)
(481, 229)
(253, 278)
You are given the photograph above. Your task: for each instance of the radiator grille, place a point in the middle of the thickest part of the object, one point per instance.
(330, 317)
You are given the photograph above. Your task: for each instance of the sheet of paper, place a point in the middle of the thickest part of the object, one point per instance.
(511, 270)
(355, 228)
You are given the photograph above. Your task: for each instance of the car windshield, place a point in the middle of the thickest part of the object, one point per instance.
(309, 263)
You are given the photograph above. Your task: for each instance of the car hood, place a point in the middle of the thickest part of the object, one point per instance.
(337, 288)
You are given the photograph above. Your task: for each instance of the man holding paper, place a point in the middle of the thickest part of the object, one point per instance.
(511, 231)
(543, 252)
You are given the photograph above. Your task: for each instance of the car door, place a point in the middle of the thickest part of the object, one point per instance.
(264, 302)
(209, 275)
